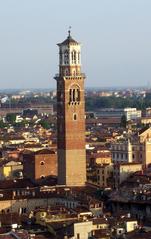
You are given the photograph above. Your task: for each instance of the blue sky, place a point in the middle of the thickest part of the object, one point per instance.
(115, 37)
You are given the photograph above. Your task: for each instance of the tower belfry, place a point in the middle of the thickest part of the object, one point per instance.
(70, 115)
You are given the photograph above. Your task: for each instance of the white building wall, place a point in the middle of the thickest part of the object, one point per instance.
(132, 113)
(82, 230)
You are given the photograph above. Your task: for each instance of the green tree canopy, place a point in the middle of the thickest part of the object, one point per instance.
(11, 118)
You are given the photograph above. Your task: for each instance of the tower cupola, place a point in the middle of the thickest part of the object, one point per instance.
(69, 57)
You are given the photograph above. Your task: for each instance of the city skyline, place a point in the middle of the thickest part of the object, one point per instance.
(115, 40)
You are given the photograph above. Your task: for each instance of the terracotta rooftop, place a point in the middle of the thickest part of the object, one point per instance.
(17, 183)
(138, 235)
(22, 234)
(143, 129)
(41, 151)
(100, 221)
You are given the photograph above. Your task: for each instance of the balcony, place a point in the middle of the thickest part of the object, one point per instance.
(70, 77)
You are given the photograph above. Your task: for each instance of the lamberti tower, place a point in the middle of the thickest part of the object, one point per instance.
(70, 115)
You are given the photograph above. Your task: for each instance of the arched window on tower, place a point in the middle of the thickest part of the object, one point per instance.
(66, 57)
(60, 57)
(78, 57)
(74, 57)
(70, 95)
(66, 72)
(74, 116)
(78, 95)
(74, 94)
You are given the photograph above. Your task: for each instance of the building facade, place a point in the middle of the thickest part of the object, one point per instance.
(122, 152)
(70, 115)
(132, 113)
(105, 175)
(122, 171)
(39, 165)
(133, 150)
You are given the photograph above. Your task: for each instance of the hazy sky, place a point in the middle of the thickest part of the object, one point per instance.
(115, 37)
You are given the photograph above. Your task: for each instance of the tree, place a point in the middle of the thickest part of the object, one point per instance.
(11, 118)
(2, 124)
(123, 121)
(45, 124)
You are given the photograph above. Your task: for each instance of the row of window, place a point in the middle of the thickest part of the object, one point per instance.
(75, 57)
(120, 147)
(22, 210)
(102, 172)
(69, 73)
(24, 193)
(103, 178)
(123, 155)
(74, 95)
(119, 155)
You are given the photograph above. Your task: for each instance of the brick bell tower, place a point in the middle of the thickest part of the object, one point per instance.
(70, 115)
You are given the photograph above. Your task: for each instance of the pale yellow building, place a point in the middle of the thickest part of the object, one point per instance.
(123, 170)
(104, 174)
(86, 229)
(136, 149)
(146, 120)
(104, 157)
(11, 170)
